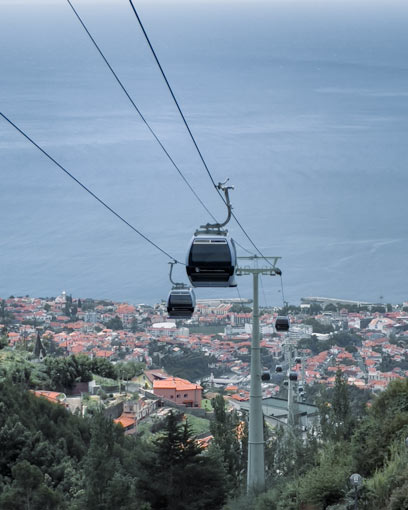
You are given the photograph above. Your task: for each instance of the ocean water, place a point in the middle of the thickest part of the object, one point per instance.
(302, 104)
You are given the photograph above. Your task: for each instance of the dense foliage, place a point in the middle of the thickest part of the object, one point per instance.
(182, 361)
(51, 459)
(340, 338)
(314, 472)
(230, 440)
(175, 475)
(60, 374)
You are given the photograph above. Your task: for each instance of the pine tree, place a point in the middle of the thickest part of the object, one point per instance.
(176, 475)
(336, 420)
(225, 429)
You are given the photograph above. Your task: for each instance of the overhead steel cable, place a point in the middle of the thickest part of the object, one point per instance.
(242, 247)
(263, 291)
(188, 128)
(69, 174)
(138, 110)
(172, 94)
(240, 298)
(283, 294)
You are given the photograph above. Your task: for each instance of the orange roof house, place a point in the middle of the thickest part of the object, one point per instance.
(179, 391)
(150, 376)
(52, 396)
(127, 422)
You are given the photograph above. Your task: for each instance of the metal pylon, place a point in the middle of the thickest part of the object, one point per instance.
(256, 454)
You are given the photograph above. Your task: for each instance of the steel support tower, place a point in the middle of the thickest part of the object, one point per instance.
(256, 455)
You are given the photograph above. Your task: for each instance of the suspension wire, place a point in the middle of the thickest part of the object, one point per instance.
(240, 298)
(69, 174)
(138, 110)
(242, 247)
(283, 294)
(172, 94)
(261, 280)
(263, 291)
(189, 130)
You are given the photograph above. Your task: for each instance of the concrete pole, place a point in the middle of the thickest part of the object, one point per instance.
(303, 372)
(256, 463)
(290, 393)
(290, 404)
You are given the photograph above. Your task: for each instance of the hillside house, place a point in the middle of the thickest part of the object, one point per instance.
(179, 391)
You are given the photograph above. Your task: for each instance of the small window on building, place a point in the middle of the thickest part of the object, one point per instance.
(178, 395)
(171, 396)
(185, 395)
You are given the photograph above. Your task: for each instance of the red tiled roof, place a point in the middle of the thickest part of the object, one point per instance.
(125, 421)
(176, 383)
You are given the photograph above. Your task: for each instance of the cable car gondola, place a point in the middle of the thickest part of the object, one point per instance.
(181, 300)
(282, 323)
(181, 303)
(266, 376)
(298, 360)
(211, 259)
(278, 368)
(293, 376)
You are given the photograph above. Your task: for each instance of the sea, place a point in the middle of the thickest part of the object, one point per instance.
(302, 104)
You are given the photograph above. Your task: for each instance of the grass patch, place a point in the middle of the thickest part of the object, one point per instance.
(104, 381)
(206, 404)
(198, 425)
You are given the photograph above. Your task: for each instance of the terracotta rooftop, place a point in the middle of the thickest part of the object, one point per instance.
(125, 421)
(176, 383)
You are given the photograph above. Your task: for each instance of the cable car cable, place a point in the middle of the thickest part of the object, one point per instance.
(173, 96)
(240, 298)
(88, 190)
(283, 294)
(242, 247)
(189, 130)
(137, 109)
(263, 291)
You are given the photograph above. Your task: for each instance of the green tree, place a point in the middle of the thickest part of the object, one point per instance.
(103, 367)
(27, 479)
(99, 464)
(135, 326)
(239, 308)
(319, 327)
(326, 483)
(62, 372)
(115, 323)
(226, 428)
(335, 417)
(193, 480)
(4, 341)
(128, 370)
(28, 490)
(386, 421)
(83, 367)
(378, 309)
(315, 309)
(6, 317)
